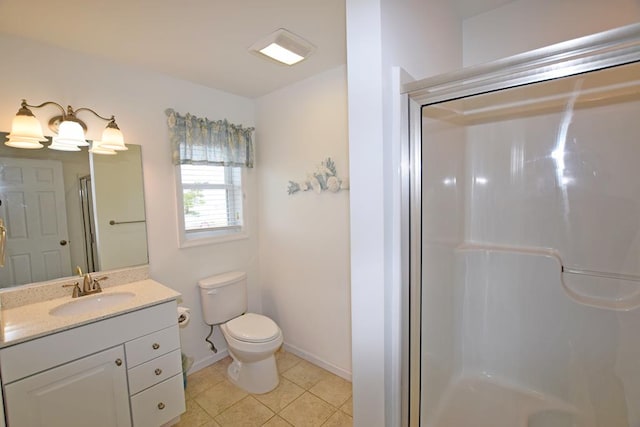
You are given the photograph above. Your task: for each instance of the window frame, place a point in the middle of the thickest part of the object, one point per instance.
(218, 234)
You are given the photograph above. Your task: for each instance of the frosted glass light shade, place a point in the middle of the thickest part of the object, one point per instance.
(26, 132)
(113, 139)
(97, 148)
(27, 143)
(71, 132)
(56, 144)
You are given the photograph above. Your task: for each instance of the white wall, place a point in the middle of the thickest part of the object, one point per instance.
(138, 99)
(424, 38)
(304, 237)
(524, 25)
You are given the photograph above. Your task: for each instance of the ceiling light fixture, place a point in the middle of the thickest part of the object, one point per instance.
(284, 47)
(26, 131)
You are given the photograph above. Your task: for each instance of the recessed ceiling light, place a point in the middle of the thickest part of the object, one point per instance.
(284, 47)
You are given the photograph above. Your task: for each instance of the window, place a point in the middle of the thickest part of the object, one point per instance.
(212, 203)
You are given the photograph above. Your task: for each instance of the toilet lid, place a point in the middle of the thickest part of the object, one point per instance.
(252, 327)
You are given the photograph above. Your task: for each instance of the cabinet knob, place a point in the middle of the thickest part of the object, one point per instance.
(155, 346)
(118, 362)
(158, 371)
(161, 406)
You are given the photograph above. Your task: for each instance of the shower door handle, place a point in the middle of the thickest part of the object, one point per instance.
(3, 242)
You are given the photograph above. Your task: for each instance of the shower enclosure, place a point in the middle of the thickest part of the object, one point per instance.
(525, 239)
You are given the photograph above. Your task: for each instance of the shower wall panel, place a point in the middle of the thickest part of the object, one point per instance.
(566, 180)
(443, 194)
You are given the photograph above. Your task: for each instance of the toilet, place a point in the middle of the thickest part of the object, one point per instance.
(252, 339)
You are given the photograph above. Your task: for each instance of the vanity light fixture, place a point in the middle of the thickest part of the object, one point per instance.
(284, 47)
(26, 131)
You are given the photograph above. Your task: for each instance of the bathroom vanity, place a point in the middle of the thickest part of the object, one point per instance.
(109, 359)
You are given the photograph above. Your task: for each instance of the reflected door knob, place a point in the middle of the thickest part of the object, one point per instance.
(63, 243)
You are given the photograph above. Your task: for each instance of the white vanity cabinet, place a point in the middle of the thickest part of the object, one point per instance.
(124, 370)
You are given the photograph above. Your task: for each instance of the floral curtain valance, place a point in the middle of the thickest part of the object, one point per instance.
(197, 140)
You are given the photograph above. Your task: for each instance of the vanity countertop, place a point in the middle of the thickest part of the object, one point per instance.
(31, 321)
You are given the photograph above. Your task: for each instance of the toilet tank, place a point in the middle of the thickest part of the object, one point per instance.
(223, 296)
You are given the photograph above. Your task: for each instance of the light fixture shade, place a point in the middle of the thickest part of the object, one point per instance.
(97, 148)
(24, 142)
(26, 128)
(71, 133)
(58, 145)
(112, 138)
(282, 54)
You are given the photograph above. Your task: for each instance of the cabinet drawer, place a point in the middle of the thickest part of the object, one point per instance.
(158, 404)
(151, 346)
(154, 371)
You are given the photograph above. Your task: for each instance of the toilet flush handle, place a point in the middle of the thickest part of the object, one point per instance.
(212, 292)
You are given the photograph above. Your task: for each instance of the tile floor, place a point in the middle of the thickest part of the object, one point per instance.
(306, 396)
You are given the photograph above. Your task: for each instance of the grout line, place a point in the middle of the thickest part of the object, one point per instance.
(298, 360)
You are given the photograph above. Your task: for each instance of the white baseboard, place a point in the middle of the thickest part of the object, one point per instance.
(317, 361)
(214, 357)
(209, 360)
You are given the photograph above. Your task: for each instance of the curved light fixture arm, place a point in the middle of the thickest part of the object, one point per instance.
(111, 119)
(24, 104)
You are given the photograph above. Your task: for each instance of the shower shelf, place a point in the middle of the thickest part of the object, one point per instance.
(605, 275)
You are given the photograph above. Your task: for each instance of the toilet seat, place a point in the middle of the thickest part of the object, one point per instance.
(252, 327)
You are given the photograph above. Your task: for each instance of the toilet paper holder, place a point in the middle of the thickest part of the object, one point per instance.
(184, 315)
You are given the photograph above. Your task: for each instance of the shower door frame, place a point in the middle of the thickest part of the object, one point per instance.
(598, 51)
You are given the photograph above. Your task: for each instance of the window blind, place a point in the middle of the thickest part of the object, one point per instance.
(212, 197)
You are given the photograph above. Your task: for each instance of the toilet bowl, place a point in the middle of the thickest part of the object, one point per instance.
(252, 339)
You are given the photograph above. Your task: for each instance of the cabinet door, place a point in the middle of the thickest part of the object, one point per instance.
(91, 391)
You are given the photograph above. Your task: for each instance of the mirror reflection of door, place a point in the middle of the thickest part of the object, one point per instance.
(34, 211)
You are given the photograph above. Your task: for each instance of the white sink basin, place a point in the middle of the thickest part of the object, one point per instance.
(91, 303)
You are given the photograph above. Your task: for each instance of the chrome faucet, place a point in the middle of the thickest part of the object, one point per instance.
(90, 285)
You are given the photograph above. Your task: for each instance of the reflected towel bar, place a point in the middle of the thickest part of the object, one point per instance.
(114, 222)
(605, 275)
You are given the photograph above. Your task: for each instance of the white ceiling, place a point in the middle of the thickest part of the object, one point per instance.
(203, 41)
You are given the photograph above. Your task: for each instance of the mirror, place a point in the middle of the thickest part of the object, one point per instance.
(65, 209)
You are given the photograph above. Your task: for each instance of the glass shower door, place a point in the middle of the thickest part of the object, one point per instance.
(529, 252)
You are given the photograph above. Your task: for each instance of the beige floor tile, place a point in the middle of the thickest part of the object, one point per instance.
(246, 413)
(219, 397)
(211, 424)
(347, 408)
(195, 416)
(276, 422)
(286, 360)
(339, 419)
(202, 380)
(281, 396)
(222, 365)
(305, 374)
(307, 411)
(332, 389)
